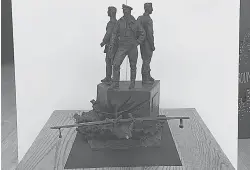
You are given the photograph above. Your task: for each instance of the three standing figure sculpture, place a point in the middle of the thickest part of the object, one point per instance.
(122, 39)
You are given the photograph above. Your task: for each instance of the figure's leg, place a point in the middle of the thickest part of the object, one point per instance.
(150, 77)
(133, 56)
(142, 50)
(118, 59)
(146, 57)
(108, 79)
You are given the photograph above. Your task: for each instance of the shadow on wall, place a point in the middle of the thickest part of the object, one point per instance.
(7, 33)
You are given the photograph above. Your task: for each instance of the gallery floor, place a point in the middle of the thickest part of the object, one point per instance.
(9, 126)
(9, 118)
(244, 154)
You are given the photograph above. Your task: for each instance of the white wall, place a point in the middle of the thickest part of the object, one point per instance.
(59, 61)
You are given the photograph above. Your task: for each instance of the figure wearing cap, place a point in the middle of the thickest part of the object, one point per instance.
(130, 34)
(147, 47)
(106, 41)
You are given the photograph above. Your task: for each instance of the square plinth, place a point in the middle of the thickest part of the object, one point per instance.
(149, 95)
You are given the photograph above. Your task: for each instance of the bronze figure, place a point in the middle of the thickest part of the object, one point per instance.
(130, 35)
(147, 47)
(106, 41)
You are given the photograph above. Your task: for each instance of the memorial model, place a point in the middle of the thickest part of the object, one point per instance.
(125, 114)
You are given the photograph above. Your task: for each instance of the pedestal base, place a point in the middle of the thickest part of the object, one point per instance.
(141, 93)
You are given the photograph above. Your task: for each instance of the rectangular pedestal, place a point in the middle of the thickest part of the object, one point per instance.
(141, 93)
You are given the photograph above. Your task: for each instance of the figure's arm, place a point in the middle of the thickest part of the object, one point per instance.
(112, 39)
(108, 33)
(138, 20)
(150, 34)
(114, 34)
(142, 33)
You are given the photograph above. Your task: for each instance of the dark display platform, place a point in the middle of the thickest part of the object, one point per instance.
(81, 156)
